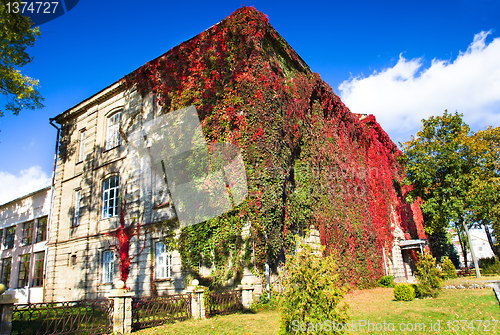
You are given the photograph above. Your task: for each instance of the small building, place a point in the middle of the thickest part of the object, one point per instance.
(23, 245)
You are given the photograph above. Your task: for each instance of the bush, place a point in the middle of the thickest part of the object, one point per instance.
(491, 266)
(386, 281)
(311, 292)
(404, 292)
(417, 291)
(449, 269)
(430, 278)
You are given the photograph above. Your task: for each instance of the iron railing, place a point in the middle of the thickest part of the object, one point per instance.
(222, 303)
(63, 318)
(153, 311)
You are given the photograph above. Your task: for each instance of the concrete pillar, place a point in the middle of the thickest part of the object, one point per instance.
(6, 308)
(246, 296)
(122, 310)
(197, 303)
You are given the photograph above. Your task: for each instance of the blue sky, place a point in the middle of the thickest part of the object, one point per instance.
(400, 60)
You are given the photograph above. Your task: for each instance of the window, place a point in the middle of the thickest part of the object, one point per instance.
(76, 217)
(108, 266)
(163, 261)
(1, 236)
(81, 149)
(41, 229)
(24, 270)
(113, 131)
(27, 232)
(9, 237)
(110, 197)
(6, 267)
(38, 271)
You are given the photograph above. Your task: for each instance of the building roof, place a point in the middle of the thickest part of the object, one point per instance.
(25, 196)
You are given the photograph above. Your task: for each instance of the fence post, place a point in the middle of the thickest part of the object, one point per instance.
(122, 310)
(246, 296)
(6, 308)
(197, 303)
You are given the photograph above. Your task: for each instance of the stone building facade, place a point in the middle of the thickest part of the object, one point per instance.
(23, 244)
(97, 167)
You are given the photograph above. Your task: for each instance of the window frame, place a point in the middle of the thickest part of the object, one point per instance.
(38, 273)
(28, 232)
(23, 274)
(10, 235)
(106, 199)
(41, 229)
(2, 278)
(113, 123)
(76, 215)
(108, 266)
(163, 261)
(81, 146)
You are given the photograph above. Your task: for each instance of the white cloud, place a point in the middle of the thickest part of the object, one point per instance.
(29, 180)
(401, 96)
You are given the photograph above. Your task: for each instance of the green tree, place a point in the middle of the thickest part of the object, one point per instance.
(311, 293)
(430, 278)
(16, 35)
(484, 194)
(442, 170)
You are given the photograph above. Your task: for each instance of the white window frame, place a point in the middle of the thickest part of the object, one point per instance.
(78, 199)
(108, 266)
(110, 197)
(163, 261)
(113, 130)
(81, 153)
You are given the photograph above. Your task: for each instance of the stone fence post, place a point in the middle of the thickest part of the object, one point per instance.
(197, 303)
(246, 296)
(122, 310)
(6, 308)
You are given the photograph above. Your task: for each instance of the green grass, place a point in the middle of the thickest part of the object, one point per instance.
(374, 305)
(378, 306)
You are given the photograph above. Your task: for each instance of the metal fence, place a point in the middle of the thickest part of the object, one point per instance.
(222, 303)
(70, 317)
(153, 311)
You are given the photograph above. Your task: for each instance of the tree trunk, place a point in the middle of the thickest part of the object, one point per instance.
(463, 245)
(476, 265)
(490, 240)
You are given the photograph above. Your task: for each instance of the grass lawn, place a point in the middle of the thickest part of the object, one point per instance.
(374, 305)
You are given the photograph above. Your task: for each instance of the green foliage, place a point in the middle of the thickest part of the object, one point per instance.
(207, 301)
(404, 292)
(441, 245)
(15, 36)
(310, 290)
(455, 173)
(430, 278)
(417, 290)
(449, 269)
(439, 169)
(490, 266)
(387, 281)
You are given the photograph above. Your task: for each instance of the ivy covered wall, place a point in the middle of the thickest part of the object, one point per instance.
(310, 162)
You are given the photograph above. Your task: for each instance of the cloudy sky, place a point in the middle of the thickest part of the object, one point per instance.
(399, 60)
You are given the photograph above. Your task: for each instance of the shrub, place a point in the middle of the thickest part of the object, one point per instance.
(430, 278)
(490, 266)
(311, 292)
(386, 281)
(449, 269)
(417, 291)
(404, 292)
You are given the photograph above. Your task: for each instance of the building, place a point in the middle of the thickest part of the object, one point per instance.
(23, 236)
(252, 91)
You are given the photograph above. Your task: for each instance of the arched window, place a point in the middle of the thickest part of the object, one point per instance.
(113, 130)
(110, 196)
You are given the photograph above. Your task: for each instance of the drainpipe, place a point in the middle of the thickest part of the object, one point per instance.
(49, 221)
